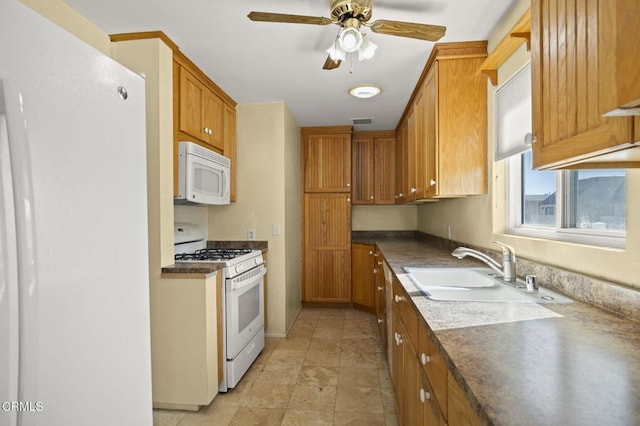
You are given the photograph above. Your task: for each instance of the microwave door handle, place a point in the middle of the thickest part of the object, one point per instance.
(227, 183)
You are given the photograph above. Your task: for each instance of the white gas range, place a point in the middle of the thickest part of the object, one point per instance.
(243, 304)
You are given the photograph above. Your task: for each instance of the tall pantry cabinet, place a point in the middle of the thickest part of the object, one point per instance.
(326, 163)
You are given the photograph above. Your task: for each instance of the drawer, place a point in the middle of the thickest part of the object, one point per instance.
(433, 366)
(406, 310)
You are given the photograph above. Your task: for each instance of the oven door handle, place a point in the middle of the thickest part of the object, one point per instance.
(237, 285)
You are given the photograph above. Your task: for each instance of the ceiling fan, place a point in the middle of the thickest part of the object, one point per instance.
(351, 15)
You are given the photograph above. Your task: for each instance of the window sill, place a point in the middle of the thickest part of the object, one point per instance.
(605, 241)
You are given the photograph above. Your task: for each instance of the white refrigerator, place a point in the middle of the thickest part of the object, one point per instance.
(74, 285)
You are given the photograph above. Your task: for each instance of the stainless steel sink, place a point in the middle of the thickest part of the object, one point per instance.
(475, 285)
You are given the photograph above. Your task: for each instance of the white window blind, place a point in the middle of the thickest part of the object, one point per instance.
(513, 111)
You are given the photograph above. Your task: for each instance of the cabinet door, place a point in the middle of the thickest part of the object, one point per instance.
(230, 145)
(191, 106)
(362, 154)
(362, 276)
(380, 298)
(327, 162)
(327, 247)
(419, 151)
(430, 414)
(401, 163)
(397, 358)
(573, 81)
(410, 160)
(431, 131)
(384, 170)
(212, 119)
(462, 128)
(410, 410)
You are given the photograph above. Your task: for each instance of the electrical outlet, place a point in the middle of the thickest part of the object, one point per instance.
(251, 234)
(275, 229)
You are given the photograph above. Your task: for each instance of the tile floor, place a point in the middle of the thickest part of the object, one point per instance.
(330, 370)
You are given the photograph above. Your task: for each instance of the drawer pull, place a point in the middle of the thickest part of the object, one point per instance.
(424, 395)
(424, 358)
(398, 299)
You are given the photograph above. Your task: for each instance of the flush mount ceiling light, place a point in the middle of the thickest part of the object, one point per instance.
(365, 91)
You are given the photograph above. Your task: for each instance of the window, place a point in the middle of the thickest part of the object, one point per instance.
(584, 206)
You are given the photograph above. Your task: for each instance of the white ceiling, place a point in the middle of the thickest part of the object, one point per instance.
(264, 62)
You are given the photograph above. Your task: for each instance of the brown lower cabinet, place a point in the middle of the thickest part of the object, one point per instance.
(362, 277)
(426, 392)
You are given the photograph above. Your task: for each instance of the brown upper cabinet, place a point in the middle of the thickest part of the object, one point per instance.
(327, 158)
(230, 145)
(200, 111)
(443, 131)
(577, 54)
(373, 167)
(203, 113)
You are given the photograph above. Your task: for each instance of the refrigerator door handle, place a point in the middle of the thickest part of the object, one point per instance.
(25, 229)
(9, 324)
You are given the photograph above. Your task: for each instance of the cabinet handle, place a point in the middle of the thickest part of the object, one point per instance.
(375, 270)
(424, 395)
(424, 358)
(398, 299)
(401, 195)
(414, 190)
(371, 197)
(380, 321)
(432, 182)
(348, 185)
(380, 288)
(398, 337)
(530, 139)
(370, 252)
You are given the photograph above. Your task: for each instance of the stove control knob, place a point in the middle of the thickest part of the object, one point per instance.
(238, 269)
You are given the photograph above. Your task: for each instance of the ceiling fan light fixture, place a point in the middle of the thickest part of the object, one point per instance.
(367, 49)
(365, 91)
(350, 39)
(336, 53)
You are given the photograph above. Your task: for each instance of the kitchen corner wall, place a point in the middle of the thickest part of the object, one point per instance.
(268, 186)
(63, 15)
(477, 220)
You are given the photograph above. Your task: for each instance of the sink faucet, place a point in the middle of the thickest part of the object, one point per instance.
(508, 268)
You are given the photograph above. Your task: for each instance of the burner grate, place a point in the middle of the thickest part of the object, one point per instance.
(212, 254)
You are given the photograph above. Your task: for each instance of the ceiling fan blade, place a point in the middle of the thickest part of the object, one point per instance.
(289, 19)
(408, 29)
(330, 64)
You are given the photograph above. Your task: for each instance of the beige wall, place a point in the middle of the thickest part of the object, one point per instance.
(268, 162)
(293, 218)
(62, 14)
(481, 219)
(384, 218)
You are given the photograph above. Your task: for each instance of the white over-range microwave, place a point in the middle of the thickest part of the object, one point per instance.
(203, 175)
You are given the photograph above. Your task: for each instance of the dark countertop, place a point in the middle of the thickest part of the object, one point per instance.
(525, 363)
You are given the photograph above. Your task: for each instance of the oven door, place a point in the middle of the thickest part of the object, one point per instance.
(244, 309)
